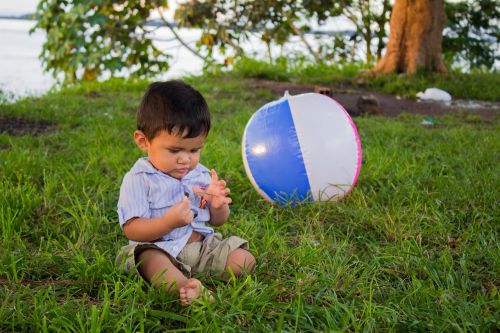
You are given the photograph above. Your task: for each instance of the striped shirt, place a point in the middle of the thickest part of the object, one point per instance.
(149, 193)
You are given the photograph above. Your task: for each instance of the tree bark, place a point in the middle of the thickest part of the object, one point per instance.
(415, 39)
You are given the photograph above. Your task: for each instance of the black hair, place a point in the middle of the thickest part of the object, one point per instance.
(173, 106)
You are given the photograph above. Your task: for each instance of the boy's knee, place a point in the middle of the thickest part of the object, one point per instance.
(250, 260)
(240, 260)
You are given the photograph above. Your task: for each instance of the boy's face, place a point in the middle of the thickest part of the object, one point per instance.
(171, 153)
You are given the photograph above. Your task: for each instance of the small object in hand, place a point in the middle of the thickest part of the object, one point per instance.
(203, 203)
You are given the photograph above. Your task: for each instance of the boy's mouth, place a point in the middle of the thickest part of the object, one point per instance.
(182, 170)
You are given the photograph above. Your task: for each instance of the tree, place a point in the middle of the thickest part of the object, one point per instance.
(86, 38)
(226, 24)
(471, 38)
(370, 18)
(415, 39)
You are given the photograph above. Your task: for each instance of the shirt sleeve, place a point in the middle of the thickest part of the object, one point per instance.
(133, 201)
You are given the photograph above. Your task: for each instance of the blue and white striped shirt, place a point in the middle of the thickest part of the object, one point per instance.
(147, 192)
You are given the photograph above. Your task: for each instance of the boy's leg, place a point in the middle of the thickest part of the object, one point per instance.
(240, 261)
(157, 268)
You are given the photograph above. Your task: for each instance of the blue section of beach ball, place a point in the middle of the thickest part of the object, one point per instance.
(273, 156)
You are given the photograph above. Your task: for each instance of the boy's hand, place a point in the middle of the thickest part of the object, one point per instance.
(180, 214)
(216, 194)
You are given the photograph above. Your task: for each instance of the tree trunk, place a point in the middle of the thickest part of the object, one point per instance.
(415, 37)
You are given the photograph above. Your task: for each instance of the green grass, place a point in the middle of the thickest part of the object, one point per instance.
(482, 86)
(415, 247)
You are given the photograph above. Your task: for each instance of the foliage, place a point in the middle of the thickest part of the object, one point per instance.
(414, 247)
(229, 23)
(88, 38)
(370, 18)
(472, 34)
(226, 24)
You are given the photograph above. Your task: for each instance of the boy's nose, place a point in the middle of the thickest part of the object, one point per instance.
(184, 158)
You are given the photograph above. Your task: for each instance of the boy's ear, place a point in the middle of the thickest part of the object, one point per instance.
(141, 140)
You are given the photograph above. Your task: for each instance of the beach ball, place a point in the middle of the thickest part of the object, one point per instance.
(301, 148)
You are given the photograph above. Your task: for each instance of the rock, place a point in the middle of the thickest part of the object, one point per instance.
(368, 104)
(353, 113)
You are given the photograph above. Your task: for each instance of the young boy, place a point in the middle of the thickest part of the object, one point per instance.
(167, 198)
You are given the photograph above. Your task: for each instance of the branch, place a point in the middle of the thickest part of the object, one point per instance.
(299, 33)
(196, 53)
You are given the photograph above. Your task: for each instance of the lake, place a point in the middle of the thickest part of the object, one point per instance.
(21, 71)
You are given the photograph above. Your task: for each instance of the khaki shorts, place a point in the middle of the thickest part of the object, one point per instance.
(208, 256)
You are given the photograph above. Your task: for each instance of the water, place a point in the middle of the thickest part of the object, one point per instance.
(475, 104)
(21, 71)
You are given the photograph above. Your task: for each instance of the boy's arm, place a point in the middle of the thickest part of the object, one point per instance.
(218, 216)
(142, 229)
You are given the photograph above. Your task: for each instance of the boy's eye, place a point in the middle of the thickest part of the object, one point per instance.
(195, 150)
(174, 151)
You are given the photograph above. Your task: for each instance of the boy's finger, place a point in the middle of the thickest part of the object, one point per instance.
(185, 202)
(197, 190)
(213, 175)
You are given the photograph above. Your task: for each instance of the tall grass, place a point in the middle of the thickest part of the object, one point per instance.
(415, 247)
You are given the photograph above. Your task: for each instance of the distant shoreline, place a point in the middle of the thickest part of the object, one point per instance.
(158, 23)
(25, 17)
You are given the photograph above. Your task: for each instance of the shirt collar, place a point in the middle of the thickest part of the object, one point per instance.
(144, 166)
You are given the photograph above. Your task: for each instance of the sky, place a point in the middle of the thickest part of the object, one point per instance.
(20, 7)
(17, 7)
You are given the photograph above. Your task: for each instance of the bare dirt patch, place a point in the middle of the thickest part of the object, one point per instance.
(22, 126)
(391, 105)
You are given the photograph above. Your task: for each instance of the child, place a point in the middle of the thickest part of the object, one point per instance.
(167, 198)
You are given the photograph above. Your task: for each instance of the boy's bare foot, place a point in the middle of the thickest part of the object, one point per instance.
(191, 290)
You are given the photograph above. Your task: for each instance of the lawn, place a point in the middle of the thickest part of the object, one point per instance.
(414, 247)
